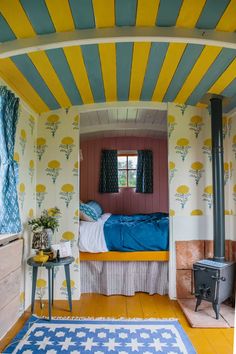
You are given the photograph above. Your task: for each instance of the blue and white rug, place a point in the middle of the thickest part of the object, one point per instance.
(101, 336)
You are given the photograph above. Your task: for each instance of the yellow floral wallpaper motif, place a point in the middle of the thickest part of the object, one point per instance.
(53, 169)
(171, 125)
(66, 146)
(52, 123)
(32, 123)
(196, 124)
(207, 148)
(22, 140)
(40, 147)
(208, 195)
(196, 171)
(182, 195)
(182, 147)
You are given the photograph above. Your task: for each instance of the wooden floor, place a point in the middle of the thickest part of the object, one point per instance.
(205, 341)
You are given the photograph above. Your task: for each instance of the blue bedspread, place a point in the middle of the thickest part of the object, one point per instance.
(141, 232)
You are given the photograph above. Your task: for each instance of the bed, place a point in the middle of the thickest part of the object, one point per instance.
(123, 254)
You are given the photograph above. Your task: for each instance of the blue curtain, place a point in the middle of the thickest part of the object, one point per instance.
(144, 180)
(109, 172)
(9, 208)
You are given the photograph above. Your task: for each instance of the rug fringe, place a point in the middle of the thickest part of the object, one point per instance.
(108, 318)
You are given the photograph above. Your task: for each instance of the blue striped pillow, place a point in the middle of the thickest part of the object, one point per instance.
(87, 213)
(96, 206)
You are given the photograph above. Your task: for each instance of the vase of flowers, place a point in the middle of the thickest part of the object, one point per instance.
(43, 228)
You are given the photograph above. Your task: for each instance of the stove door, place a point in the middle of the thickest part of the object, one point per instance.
(205, 282)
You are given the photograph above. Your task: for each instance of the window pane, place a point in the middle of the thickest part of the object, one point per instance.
(122, 178)
(132, 178)
(122, 162)
(132, 161)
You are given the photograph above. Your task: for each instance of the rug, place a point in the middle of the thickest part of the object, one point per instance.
(205, 316)
(101, 336)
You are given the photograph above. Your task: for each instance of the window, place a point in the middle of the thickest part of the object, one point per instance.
(127, 169)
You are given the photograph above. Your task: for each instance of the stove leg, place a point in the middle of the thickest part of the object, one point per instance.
(199, 300)
(216, 308)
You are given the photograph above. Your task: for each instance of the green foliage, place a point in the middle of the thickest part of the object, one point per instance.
(47, 220)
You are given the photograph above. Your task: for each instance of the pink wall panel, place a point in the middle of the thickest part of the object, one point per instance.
(126, 201)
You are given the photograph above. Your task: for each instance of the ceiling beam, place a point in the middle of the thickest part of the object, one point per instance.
(122, 126)
(162, 106)
(116, 35)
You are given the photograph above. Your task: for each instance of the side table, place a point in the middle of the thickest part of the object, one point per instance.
(50, 267)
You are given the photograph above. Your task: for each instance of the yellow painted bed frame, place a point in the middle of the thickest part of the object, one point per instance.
(158, 256)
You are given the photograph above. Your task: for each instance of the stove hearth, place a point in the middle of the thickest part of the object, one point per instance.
(214, 282)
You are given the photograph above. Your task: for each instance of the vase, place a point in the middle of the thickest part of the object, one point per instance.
(42, 240)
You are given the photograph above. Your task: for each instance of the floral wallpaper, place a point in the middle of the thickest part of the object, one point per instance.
(56, 149)
(25, 156)
(190, 161)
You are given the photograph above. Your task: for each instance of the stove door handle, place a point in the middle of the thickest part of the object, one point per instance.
(218, 278)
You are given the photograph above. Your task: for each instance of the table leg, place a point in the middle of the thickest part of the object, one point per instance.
(34, 280)
(52, 285)
(49, 294)
(68, 284)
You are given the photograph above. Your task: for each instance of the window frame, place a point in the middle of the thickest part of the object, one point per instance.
(127, 169)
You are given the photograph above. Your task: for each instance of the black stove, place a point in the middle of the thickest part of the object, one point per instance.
(214, 282)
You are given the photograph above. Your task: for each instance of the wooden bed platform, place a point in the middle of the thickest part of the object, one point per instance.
(158, 256)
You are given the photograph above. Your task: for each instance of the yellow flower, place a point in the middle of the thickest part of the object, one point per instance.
(22, 188)
(77, 213)
(23, 134)
(76, 119)
(67, 188)
(182, 189)
(54, 164)
(171, 165)
(68, 235)
(40, 141)
(31, 213)
(41, 283)
(208, 189)
(16, 157)
(208, 142)
(67, 140)
(226, 166)
(227, 212)
(197, 166)
(171, 119)
(53, 118)
(40, 188)
(234, 139)
(76, 165)
(196, 120)
(196, 212)
(172, 212)
(182, 142)
(31, 164)
(72, 284)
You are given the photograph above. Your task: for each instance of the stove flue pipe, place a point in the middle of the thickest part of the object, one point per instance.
(218, 179)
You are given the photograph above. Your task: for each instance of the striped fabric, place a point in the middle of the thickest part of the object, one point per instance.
(124, 278)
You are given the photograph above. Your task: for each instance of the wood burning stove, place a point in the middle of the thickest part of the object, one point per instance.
(214, 278)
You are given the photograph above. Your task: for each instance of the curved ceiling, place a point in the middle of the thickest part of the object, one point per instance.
(106, 72)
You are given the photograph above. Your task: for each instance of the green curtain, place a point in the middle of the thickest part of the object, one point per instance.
(144, 180)
(9, 208)
(109, 172)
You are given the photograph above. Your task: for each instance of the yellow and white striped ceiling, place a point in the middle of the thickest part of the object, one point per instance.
(124, 71)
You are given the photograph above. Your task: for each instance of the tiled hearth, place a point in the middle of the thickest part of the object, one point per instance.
(187, 253)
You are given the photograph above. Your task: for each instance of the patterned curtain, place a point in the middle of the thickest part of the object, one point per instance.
(9, 209)
(144, 180)
(109, 172)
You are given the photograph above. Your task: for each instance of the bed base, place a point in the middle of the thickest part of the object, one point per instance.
(147, 256)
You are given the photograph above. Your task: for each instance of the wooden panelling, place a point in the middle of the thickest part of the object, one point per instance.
(11, 257)
(126, 201)
(10, 287)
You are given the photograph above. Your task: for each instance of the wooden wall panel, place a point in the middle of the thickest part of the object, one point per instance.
(126, 201)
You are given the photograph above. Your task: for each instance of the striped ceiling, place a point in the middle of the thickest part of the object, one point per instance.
(86, 74)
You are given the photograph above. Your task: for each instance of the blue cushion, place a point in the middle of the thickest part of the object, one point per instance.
(87, 213)
(96, 206)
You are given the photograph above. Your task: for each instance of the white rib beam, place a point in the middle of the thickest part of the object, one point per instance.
(116, 35)
(121, 126)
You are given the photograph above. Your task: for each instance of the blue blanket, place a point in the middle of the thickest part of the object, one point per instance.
(141, 232)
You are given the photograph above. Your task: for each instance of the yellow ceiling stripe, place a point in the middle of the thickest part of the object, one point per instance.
(227, 21)
(189, 13)
(45, 69)
(147, 12)
(173, 56)
(139, 64)
(15, 16)
(225, 79)
(16, 80)
(108, 63)
(76, 62)
(104, 13)
(203, 63)
(61, 15)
